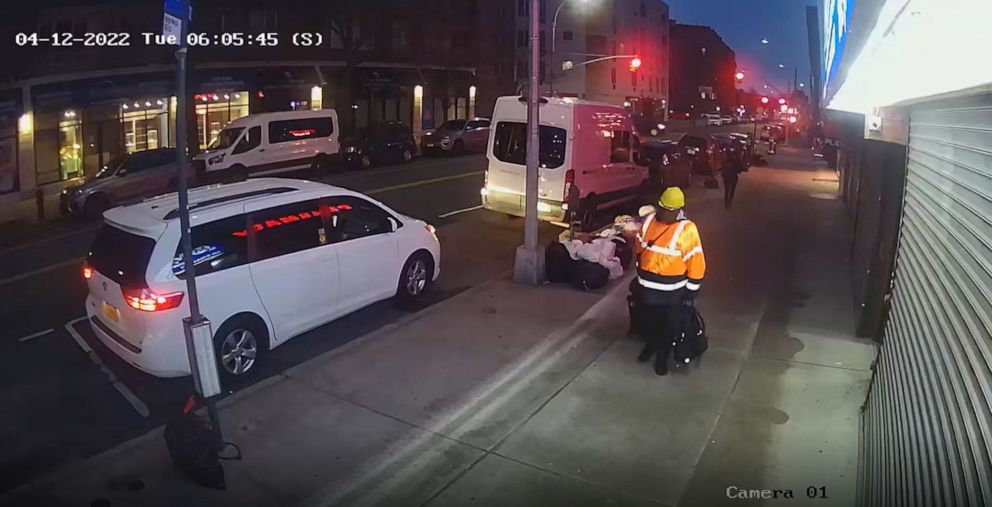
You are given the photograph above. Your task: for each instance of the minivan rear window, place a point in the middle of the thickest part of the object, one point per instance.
(121, 256)
(510, 144)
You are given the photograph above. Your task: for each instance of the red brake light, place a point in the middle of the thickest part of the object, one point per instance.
(569, 180)
(147, 301)
(87, 272)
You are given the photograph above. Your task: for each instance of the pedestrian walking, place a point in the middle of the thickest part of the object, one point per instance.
(670, 271)
(730, 171)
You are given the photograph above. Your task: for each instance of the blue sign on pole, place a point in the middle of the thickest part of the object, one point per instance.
(179, 9)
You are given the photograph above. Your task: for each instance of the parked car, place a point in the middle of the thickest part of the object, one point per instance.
(712, 118)
(726, 120)
(139, 174)
(734, 149)
(667, 164)
(774, 131)
(380, 143)
(457, 136)
(273, 258)
(747, 144)
(586, 164)
(705, 155)
(270, 143)
(648, 126)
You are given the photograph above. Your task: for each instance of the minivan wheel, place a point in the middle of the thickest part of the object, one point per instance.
(365, 161)
(96, 204)
(415, 278)
(240, 344)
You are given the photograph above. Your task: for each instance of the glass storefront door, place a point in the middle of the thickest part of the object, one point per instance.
(146, 125)
(70, 146)
(215, 110)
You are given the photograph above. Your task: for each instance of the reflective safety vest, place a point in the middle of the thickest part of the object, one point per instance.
(670, 256)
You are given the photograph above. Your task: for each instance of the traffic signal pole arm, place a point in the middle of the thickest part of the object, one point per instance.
(595, 60)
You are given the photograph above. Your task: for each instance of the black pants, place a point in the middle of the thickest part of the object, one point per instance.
(659, 325)
(729, 188)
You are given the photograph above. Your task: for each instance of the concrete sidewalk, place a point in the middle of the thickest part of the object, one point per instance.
(510, 395)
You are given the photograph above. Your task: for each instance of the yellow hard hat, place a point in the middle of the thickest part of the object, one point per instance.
(672, 199)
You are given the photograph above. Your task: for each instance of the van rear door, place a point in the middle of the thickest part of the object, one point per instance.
(508, 160)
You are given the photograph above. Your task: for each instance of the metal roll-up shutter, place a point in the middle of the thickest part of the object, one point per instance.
(927, 423)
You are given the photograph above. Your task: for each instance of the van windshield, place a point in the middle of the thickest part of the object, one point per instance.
(225, 139)
(510, 144)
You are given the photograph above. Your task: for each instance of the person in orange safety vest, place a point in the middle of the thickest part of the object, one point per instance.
(670, 271)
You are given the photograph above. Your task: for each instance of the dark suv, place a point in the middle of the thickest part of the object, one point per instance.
(380, 143)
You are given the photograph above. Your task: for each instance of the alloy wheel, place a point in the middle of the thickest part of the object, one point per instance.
(416, 277)
(238, 351)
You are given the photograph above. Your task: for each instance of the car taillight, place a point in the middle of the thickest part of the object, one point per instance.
(87, 272)
(569, 180)
(147, 301)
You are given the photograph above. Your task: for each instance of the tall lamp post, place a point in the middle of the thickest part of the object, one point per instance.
(554, 40)
(528, 267)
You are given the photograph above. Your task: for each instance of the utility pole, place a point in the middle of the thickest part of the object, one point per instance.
(199, 338)
(529, 262)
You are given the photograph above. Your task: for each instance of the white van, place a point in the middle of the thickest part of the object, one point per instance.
(587, 156)
(269, 143)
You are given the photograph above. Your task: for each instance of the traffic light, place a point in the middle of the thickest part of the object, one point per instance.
(635, 64)
(739, 76)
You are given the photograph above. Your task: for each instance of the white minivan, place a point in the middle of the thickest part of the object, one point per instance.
(588, 159)
(273, 258)
(268, 143)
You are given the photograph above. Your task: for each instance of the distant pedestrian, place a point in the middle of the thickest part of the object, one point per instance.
(670, 269)
(730, 171)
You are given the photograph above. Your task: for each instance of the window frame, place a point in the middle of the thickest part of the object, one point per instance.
(351, 200)
(271, 127)
(244, 136)
(253, 245)
(245, 224)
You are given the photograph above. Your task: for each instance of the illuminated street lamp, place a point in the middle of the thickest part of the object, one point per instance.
(781, 65)
(764, 41)
(554, 39)
(781, 101)
(764, 100)
(739, 76)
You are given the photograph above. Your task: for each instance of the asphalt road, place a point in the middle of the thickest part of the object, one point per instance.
(67, 397)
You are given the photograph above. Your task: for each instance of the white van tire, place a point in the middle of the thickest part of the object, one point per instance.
(321, 165)
(237, 172)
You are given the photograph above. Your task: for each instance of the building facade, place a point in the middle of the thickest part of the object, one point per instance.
(577, 32)
(703, 72)
(67, 111)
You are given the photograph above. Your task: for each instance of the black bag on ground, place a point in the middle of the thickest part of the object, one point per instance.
(591, 276)
(559, 266)
(711, 182)
(692, 342)
(190, 441)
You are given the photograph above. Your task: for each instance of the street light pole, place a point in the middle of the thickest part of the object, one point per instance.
(554, 40)
(529, 262)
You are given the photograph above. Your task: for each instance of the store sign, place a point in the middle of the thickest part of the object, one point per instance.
(837, 18)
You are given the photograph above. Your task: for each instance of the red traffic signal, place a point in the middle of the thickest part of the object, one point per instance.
(635, 64)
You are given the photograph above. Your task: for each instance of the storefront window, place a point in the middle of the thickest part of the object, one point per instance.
(70, 146)
(146, 125)
(215, 110)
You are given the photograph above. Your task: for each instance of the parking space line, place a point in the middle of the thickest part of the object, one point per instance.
(456, 212)
(35, 335)
(136, 403)
(41, 271)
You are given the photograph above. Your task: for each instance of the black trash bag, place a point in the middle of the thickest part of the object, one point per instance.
(711, 182)
(191, 442)
(695, 331)
(623, 252)
(591, 276)
(559, 266)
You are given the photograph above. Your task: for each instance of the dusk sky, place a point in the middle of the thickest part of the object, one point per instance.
(743, 23)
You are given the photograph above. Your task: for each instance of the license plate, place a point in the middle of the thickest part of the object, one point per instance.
(110, 311)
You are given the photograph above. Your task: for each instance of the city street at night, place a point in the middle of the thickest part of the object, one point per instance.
(495, 253)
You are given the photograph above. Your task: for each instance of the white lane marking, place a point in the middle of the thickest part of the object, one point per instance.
(41, 271)
(136, 403)
(36, 335)
(398, 462)
(453, 213)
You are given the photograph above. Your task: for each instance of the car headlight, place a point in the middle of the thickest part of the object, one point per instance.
(445, 138)
(216, 160)
(351, 149)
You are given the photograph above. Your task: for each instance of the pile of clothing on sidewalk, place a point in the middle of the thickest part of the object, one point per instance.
(590, 260)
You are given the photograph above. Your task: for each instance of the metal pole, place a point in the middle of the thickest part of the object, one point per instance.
(533, 128)
(529, 262)
(554, 40)
(203, 365)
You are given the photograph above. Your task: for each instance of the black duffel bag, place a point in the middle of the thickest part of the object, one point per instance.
(559, 266)
(591, 276)
(692, 342)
